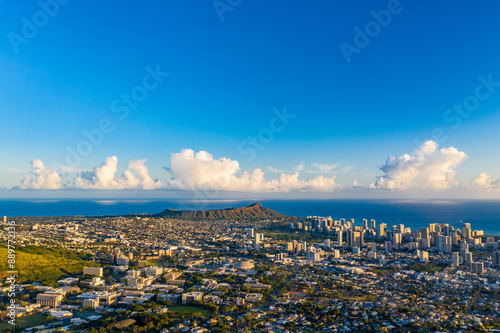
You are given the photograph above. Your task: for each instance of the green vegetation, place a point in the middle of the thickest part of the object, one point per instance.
(429, 268)
(28, 321)
(381, 271)
(46, 265)
(188, 309)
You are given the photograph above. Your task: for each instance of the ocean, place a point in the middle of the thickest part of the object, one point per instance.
(482, 214)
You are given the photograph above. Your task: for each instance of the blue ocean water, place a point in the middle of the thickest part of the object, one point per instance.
(482, 214)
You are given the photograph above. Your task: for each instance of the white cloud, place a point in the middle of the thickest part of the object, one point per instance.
(429, 168)
(104, 177)
(43, 178)
(347, 168)
(274, 170)
(325, 168)
(300, 167)
(14, 170)
(200, 171)
(484, 181)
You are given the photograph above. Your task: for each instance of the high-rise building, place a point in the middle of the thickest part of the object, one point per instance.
(424, 233)
(477, 267)
(425, 243)
(5, 220)
(496, 258)
(327, 243)
(444, 244)
(381, 230)
(467, 231)
(464, 247)
(388, 246)
(257, 241)
(313, 256)
(356, 239)
(339, 237)
(365, 224)
(373, 224)
(250, 233)
(396, 241)
(468, 257)
(424, 256)
(445, 229)
(455, 259)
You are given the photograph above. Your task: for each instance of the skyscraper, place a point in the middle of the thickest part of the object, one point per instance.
(467, 231)
(444, 244)
(496, 258)
(455, 259)
(373, 224)
(424, 233)
(381, 229)
(477, 267)
(327, 243)
(396, 241)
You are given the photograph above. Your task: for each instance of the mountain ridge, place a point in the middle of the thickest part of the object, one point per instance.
(254, 211)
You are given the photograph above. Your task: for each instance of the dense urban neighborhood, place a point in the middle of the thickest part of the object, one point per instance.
(266, 273)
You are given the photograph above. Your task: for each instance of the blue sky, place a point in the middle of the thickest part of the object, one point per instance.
(230, 64)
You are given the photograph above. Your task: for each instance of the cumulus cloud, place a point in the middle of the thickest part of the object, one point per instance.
(201, 171)
(42, 178)
(104, 177)
(274, 170)
(484, 181)
(14, 170)
(188, 170)
(300, 167)
(324, 168)
(347, 168)
(430, 168)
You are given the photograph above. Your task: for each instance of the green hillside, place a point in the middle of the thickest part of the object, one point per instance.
(45, 265)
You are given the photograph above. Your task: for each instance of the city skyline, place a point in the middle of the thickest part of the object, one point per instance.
(281, 101)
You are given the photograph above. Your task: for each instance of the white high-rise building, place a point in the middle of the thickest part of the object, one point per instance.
(396, 241)
(327, 243)
(444, 244)
(455, 259)
(381, 229)
(467, 231)
(339, 237)
(313, 256)
(250, 233)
